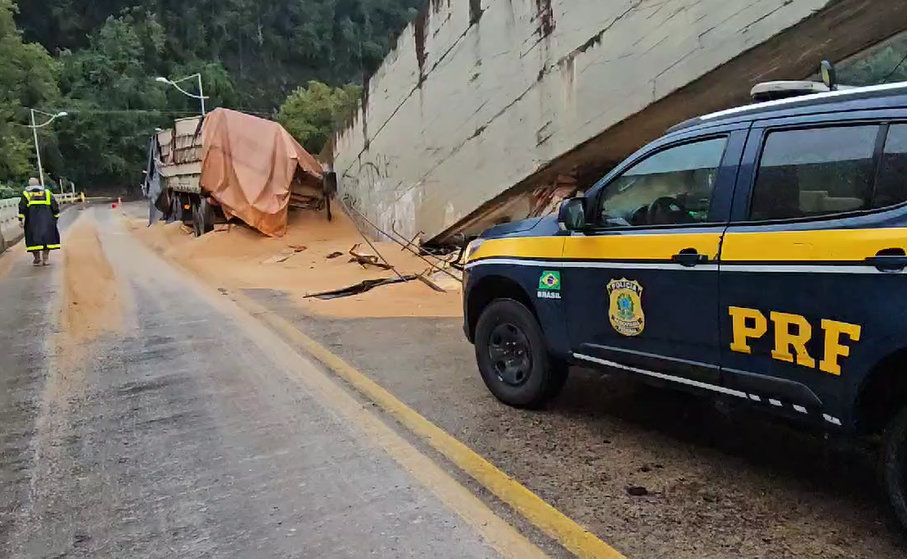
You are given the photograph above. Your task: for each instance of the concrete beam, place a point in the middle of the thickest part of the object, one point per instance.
(485, 102)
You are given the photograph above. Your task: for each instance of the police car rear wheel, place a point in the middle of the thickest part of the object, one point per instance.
(513, 358)
(894, 467)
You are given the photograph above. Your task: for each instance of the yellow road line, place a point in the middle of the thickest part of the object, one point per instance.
(324, 387)
(552, 522)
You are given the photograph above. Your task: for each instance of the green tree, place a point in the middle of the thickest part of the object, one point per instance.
(114, 106)
(252, 54)
(268, 47)
(311, 113)
(27, 79)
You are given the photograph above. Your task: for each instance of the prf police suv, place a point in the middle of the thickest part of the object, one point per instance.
(757, 254)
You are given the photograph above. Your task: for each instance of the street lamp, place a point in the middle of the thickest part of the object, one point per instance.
(201, 90)
(34, 128)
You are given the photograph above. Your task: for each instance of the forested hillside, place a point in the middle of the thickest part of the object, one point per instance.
(97, 59)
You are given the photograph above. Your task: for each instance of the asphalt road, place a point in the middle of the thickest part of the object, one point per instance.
(717, 484)
(142, 416)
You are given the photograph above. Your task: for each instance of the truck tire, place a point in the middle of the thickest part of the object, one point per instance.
(513, 357)
(196, 218)
(176, 209)
(205, 216)
(894, 467)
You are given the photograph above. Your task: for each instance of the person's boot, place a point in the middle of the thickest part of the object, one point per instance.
(36, 256)
(45, 257)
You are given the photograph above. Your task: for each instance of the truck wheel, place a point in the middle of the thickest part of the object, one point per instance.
(176, 209)
(513, 356)
(205, 216)
(197, 225)
(894, 467)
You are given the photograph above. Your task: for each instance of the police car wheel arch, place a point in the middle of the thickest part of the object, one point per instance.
(545, 378)
(894, 466)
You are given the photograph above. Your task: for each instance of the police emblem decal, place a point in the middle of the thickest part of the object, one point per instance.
(625, 307)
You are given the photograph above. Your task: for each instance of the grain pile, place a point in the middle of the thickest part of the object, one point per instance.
(298, 264)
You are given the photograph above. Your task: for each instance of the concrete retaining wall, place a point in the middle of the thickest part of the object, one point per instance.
(485, 95)
(10, 232)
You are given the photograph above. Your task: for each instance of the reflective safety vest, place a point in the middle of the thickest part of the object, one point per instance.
(41, 198)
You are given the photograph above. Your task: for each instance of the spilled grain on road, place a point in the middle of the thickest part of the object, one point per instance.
(92, 300)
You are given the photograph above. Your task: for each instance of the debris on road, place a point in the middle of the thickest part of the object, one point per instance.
(365, 259)
(279, 258)
(244, 259)
(92, 305)
(424, 279)
(359, 288)
(446, 280)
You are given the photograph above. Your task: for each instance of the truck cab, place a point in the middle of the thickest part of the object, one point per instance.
(756, 254)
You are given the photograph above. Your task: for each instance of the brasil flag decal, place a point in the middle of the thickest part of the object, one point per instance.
(550, 281)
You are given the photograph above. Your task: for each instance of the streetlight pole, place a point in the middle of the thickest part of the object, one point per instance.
(34, 128)
(201, 88)
(201, 93)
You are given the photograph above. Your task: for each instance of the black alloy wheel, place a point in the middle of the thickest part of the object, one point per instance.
(510, 354)
(513, 356)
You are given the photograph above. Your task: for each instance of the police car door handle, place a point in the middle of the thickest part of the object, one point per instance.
(888, 260)
(689, 257)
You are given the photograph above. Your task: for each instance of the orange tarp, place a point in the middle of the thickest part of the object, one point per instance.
(248, 166)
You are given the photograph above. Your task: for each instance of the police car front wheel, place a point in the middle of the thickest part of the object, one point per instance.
(894, 467)
(513, 357)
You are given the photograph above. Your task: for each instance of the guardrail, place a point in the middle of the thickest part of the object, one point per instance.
(10, 232)
(70, 197)
(9, 224)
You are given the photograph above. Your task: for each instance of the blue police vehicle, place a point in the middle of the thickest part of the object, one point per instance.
(757, 254)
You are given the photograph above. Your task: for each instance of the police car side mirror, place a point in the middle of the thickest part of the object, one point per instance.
(572, 215)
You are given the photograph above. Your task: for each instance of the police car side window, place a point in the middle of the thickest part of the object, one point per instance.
(891, 185)
(673, 186)
(814, 172)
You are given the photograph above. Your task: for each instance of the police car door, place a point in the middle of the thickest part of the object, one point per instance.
(815, 222)
(641, 286)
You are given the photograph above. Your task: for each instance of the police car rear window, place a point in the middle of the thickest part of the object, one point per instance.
(814, 172)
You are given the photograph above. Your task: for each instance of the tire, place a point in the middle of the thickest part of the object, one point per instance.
(894, 467)
(197, 223)
(513, 357)
(176, 209)
(205, 216)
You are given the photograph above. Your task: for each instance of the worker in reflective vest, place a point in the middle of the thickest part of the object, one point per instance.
(38, 214)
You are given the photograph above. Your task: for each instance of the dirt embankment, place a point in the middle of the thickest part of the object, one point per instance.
(303, 262)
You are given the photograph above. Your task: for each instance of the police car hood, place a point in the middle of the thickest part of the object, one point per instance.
(536, 226)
